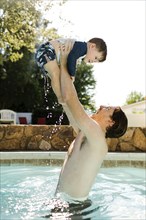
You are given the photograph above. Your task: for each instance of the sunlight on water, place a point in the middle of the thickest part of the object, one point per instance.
(47, 87)
(27, 192)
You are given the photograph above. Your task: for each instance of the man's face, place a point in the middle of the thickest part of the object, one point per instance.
(109, 109)
(104, 115)
(105, 111)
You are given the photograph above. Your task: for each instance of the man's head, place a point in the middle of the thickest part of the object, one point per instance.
(96, 50)
(112, 120)
(119, 127)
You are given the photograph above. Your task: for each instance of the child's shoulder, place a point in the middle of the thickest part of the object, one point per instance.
(80, 44)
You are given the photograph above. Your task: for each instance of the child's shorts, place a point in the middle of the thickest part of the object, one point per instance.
(43, 54)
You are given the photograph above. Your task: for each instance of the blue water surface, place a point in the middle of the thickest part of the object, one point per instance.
(27, 192)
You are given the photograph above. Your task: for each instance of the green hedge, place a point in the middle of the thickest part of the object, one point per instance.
(52, 117)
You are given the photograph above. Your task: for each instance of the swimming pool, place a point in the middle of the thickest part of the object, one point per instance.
(27, 192)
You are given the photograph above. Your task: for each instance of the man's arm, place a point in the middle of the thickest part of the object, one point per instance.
(70, 118)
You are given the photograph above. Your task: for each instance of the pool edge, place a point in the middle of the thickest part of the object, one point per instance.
(56, 158)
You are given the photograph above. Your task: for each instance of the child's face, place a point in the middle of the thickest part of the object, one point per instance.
(93, 55)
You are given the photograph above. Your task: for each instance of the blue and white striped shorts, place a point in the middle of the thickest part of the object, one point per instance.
(43, 54)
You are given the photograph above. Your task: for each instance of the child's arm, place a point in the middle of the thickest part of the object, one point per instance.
(79, 50)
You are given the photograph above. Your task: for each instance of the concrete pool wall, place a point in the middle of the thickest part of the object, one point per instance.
(45, 158)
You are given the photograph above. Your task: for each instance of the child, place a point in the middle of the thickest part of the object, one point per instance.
(48, 58)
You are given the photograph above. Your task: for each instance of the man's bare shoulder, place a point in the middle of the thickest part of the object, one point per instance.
(94, 129)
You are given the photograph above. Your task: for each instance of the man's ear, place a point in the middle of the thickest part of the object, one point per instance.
(111, 122)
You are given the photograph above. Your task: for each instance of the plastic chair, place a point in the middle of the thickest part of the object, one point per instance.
(7, 116)
(41, 121)
(22, 120)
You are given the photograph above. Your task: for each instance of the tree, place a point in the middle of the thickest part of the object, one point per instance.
(21, 90)
(18, 28)
(21, 82)
(21, 23)
(134, 97)
(85, 85)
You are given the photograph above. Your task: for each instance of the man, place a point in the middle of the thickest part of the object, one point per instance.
(89, 148)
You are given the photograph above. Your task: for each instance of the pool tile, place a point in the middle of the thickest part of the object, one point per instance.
(32, 162)
(17, 161)
(57, 158)
(5, 162)
(109, 163)
(137, 163)
(56, 162)
(123, 163)
(43, 162)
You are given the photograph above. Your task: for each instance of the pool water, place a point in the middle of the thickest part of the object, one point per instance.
(27, 192)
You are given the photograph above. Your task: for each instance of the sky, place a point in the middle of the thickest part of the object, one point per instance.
(121, 24)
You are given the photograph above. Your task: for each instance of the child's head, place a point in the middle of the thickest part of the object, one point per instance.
(96, 50)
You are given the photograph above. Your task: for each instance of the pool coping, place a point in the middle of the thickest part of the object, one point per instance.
(8, 155)
(61, 155)
(54, 158)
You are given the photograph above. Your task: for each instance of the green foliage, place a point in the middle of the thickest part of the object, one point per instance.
(21, 83)
(52, 116)
(85, 85)
(18, 24)
(21, 89)
(134, 97)
(22, 26)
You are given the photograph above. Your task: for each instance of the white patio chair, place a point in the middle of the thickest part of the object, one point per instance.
(7, 116)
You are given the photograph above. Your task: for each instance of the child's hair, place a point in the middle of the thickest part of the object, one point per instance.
(101, 46)
(120, 125)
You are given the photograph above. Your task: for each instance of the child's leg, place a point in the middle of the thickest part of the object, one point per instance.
(46, 60)
(54, 73)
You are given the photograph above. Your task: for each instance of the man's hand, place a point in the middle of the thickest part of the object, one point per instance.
(65, 50)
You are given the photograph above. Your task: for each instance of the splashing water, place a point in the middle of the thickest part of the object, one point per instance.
(47, 87)
(60, 119)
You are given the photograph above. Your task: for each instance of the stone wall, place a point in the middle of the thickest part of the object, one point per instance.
(58, 138)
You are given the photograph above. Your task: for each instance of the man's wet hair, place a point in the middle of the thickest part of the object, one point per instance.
(101, 46)
(120, 125)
